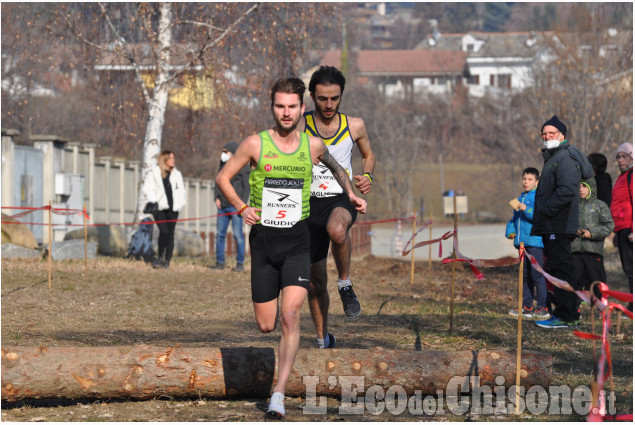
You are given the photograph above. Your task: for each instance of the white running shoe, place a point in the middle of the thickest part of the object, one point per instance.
(276, 406)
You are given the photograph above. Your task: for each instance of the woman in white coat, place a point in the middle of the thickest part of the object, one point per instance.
(164, 186)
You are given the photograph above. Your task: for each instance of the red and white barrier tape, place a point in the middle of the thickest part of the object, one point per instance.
(426, 224)
(475, 264)
(597, 414)
(58, 211)
(446, 236)
(387, 220)
(605, 365)
(61, 211)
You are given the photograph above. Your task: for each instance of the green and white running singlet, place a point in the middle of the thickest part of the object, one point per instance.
(281, 182)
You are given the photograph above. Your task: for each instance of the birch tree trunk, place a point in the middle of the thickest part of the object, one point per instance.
(156, 105)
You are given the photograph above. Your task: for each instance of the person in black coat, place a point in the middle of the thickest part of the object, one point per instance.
(557, 215)
(602, 178)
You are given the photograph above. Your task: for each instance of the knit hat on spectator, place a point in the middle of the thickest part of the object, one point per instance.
(554, 121)
(626, 148)
(231, 147)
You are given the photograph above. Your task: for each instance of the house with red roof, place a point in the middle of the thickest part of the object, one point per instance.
(406, 73)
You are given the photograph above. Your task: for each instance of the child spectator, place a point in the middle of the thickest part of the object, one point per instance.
(603, 179)
(587, 248)
(519, 229)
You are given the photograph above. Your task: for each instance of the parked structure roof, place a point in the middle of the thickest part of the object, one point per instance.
(401, 62)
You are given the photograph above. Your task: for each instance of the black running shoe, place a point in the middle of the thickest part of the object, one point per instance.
(350, 301)
(331, 341)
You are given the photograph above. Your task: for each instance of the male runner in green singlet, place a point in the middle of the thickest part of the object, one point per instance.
(331, 214)
(281, 159)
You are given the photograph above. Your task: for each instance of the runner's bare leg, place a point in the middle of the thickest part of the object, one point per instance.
(319, 298)
(338, 230)
(291, 302)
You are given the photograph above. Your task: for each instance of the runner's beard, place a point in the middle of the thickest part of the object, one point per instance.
(286, 127)
(324, 117)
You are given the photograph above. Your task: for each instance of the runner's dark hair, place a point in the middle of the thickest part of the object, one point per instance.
(289, 85)
(327, 75)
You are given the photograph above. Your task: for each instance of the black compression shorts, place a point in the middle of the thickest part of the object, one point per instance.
(321, 209)
(280, 257)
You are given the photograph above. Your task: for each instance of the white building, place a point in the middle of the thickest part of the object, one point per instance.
(498, 62)
(506, 62)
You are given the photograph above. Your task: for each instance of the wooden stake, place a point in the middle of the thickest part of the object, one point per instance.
(430, 251)
(608, 342)
(412, 252)
(454, 255)
(85, 241)
(452, 295)
(519, 341)
(619, 322)
(595, 395)
(50, 238)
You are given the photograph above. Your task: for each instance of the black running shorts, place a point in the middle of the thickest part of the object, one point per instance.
(321, 209)
(280, 257)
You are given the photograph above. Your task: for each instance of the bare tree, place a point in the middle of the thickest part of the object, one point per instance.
(24, 70)
(588, 87)
(229, 45)
(395, 129)
(157, 25)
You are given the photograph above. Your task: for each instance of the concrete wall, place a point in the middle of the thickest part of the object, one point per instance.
(110, 185)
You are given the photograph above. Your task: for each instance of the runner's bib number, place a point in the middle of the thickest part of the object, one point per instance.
(324, 184)
(281, 202)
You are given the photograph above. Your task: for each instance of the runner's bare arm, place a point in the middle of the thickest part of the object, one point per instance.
(248, 151)
(360, 136)
(319, 149)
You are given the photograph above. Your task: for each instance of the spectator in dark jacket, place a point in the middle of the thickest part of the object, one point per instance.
(602, 178)
(227, 212)
(556, 215)
(622, 210)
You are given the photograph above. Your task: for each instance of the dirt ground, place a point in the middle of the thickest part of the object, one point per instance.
(121, 302)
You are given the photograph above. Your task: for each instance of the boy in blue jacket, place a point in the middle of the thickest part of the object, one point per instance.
(519, 229)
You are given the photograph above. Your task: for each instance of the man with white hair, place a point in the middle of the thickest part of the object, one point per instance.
(557, 216)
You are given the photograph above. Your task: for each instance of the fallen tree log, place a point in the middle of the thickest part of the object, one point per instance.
(145, 372)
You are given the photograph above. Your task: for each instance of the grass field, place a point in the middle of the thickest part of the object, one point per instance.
(120, 302)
